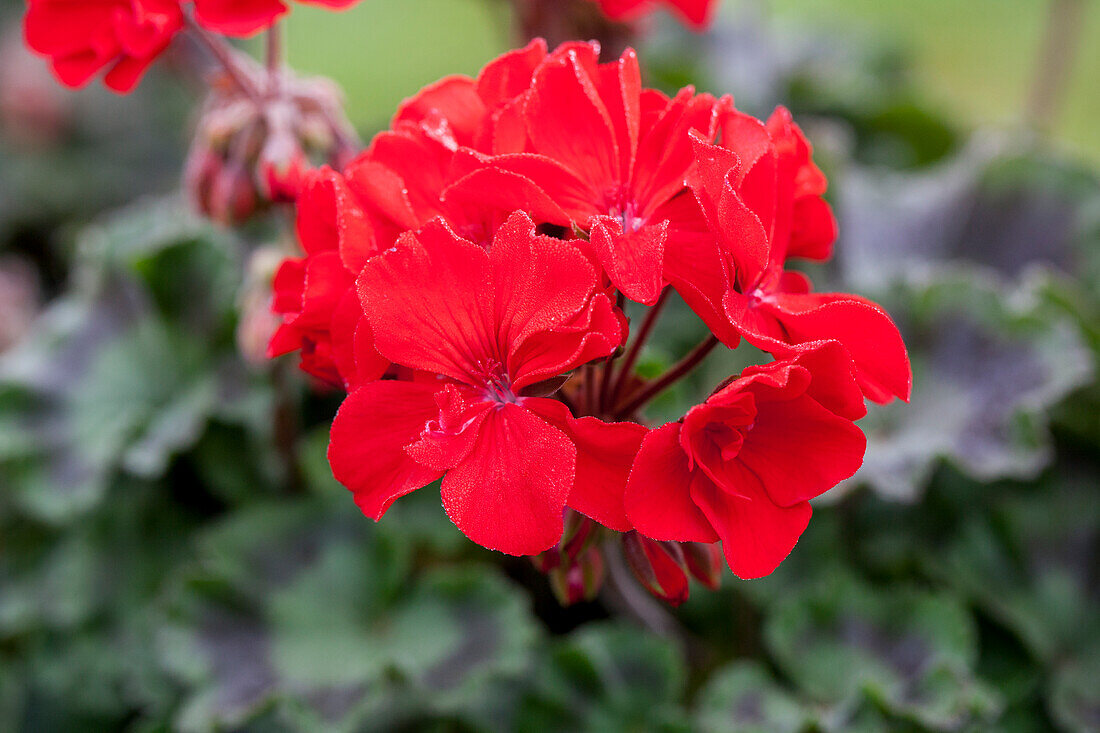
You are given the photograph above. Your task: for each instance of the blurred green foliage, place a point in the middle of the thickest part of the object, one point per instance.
(171, 560)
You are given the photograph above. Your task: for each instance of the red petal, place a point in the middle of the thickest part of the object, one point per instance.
(369, 364)
(455, 98)
(798, 450)
(568, 122)
(666, 153)
(834, 385)
(605, 454)
(509, 75)
(540, 283)
(369, 435)
(510, 491)
(595, 333)
(756, 534)
(238, 17)
(865, 330)
(447, 440)
(429, 302)
(352, 343)
(814, 229)
(633, 261)
(330, 217)
(620, 85)
(507, 191)
(658, 498)
(560, 183)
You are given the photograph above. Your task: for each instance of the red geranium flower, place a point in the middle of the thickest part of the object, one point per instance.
(396, 185)
(609, 153)
(743, 466)
(761, 195)
(81, 38)
(243, 18)
(483, 331)
(696, 13)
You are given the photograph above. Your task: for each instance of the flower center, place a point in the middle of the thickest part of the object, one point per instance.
(498, 386)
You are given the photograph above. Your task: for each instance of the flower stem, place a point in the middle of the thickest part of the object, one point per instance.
(628, 597)
(273, 58)
(224, 54)
(1055, 63)
(636, 348)
(591, 391)
(673, 375)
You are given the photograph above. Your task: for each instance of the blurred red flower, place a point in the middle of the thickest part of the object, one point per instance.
(242, 18)
(82, 38)
(697, 13)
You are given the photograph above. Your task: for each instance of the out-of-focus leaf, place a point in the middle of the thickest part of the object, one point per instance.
(1031, 563)
(744, 697)
(607, 678)
(126, 370)
(1075, 694)
(120, 148)
(909, 651)
(190, 269)
(995, 206)
(311, 611)
(988, 364)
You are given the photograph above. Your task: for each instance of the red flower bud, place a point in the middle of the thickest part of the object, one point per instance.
(659, 566)
(704, 562)
(580, 580)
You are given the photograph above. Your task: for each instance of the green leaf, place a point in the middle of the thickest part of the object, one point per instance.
(988, 365)
(909, 651)
(744, 697)
(1075, 696)
(309, 612)
(1028, 564)
(607, 678)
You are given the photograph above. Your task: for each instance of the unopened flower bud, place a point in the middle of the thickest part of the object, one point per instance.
(578, 535)
(659, 566)
(580, 580)
(263, 148)
(704, 562)
(282, 168)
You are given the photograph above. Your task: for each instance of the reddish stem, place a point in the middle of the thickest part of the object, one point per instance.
(274, 59)
(636, 348)
(673, 375)
(591, 391)
(224, 53)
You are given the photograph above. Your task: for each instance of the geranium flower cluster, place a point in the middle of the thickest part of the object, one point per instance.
(464, 278)
(84, 37)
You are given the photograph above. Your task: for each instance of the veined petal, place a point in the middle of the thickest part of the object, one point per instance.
(455, 98)
(568, 122)
(367, 445)
(865, 330)
(798, 450)
(634, 261)
(429, 301)
(509, 493)
(594, 333)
